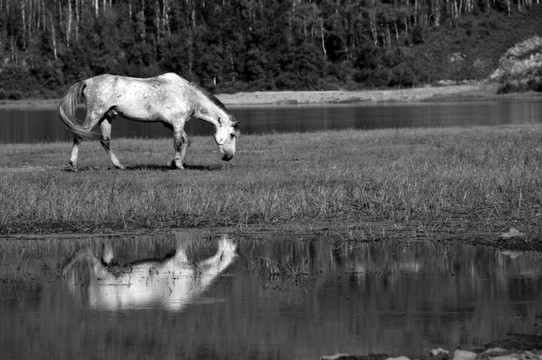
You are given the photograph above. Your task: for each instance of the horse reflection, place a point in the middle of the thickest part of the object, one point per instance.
(169, 283)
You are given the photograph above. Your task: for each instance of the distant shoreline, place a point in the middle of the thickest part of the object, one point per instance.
(429, 93)
(469, 92)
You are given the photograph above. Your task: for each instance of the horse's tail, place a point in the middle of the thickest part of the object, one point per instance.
(67, 108)
(84, 254)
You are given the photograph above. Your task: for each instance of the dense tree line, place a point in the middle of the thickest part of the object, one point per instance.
(225, 45)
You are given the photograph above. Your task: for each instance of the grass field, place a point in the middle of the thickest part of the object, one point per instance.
(451, 182)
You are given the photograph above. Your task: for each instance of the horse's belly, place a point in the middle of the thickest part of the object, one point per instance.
(140, 112)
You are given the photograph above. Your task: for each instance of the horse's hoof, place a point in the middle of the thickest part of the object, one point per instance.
(177, 165)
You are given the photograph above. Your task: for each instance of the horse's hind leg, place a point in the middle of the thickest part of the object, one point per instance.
(105, 140)
(92, 118)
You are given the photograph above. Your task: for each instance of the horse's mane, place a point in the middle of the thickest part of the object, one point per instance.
(210, 96)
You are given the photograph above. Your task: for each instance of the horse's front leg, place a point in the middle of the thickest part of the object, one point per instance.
(74, 153)
(180, 143)
(105, 140)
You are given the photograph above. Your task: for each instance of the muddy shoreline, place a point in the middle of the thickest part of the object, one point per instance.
(465, 92)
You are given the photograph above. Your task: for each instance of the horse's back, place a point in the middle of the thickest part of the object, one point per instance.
(111, 80)
(172, 77)
(152, 98)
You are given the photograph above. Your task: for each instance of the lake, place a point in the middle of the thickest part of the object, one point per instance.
(43, 125)
(275, 296)
(265, 296)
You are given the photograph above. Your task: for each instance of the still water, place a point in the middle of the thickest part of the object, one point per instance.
(200, 295)
(43, 125)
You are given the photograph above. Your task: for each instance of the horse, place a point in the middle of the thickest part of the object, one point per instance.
(167, 98)
(170, 283)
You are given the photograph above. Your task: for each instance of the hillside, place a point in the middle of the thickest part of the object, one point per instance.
(231, 46)
(471, 49)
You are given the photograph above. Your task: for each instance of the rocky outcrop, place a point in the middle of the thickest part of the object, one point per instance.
(522, 61)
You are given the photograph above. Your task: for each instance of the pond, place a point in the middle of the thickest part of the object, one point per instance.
(43, 125)
(196, 294)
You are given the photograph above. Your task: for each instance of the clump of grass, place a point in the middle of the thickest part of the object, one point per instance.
(293, 270)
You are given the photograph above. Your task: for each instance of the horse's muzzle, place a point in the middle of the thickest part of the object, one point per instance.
(227, 157)
(227, 151)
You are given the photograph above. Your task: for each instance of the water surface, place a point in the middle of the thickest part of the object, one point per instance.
(43, 125)
(281, 297)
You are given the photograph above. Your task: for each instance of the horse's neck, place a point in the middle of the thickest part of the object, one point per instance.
(205, 115)
(206, 110)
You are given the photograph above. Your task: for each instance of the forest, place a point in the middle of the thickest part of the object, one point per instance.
(247, 45)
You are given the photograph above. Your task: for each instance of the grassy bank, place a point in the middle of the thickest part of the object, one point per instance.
(423, 182)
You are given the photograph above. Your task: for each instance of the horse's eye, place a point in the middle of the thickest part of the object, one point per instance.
(232, 135)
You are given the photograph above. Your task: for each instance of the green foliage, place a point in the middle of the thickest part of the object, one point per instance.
(526, 82)
(255, 45)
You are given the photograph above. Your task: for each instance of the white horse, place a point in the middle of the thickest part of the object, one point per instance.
(167, 98)
(169, 283)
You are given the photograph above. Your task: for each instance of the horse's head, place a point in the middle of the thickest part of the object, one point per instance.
(226, 133)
